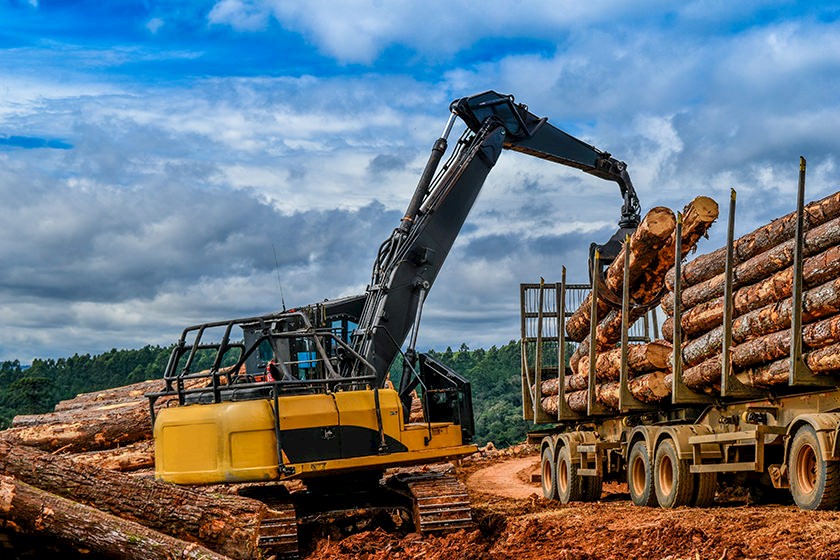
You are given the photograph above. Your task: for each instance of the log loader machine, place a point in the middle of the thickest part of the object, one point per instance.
(305, 393)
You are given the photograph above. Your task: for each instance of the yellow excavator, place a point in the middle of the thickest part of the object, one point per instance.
(305, 393)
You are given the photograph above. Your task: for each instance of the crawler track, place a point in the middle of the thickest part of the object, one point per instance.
(440, 502)
(278, 531)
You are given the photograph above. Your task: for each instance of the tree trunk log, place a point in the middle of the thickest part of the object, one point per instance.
(95, 429)
(549, 404)
(641, 358)
(225, 523)
(136, 456)
(748, 246)
(762, 266)
(698, 216)
(608, 331)
(85, 528)
(777, 345)
(822, 361)
(577, 401)
(550, 387)
(127, 393)
(704, 374)
(93, 414)
(769, 348)
(650, 387)
(133, 392)
(654, 232)
(819, 302)
(607, 394)
(816, 270)
(576, 382)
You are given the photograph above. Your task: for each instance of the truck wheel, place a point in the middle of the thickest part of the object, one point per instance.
(672, 478)
(705, 486)
(548, 475)
(814, 482)
(569, 483)
(640, 476)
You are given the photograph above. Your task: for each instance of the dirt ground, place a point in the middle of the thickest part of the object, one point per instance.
(514, 521)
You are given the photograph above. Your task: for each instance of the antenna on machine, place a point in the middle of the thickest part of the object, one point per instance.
(277, 271)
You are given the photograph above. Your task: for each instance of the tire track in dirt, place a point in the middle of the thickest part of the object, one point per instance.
(502, 479)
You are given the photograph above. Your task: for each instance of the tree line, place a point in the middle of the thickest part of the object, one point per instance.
(493, 375)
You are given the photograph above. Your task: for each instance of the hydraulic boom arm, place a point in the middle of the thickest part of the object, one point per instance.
(535, 136)
(408, 261)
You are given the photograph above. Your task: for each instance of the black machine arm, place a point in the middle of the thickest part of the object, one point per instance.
(535, 136)
(409, 260)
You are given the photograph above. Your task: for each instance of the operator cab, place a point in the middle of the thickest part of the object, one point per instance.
(299, 351)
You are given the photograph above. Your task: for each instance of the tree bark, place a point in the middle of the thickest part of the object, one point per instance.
(34, 511)
(650, 387)
(576, 382)
(761, 266)
(549, 387)
(698, 217)
(816, 270)
(759, 240)
(822, 361)
(704, 374)
(819, 302)
(653, 233)
(641, 358)
(577, 401)
(225, 523)
(133, 392)
(95, 429)
(549, 404)
(777, 345)
(136, 456)
(607, 394)
(93, 413)
(127, 393)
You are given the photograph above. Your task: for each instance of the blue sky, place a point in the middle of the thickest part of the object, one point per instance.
(153, 154)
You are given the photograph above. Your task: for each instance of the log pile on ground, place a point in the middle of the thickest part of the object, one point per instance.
(73, 462)
(651, 256)
(762, 302)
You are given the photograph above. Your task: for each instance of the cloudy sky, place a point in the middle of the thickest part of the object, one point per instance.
(156, 154)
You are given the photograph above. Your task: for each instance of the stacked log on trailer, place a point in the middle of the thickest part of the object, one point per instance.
(79, 463)
(651, 256)
(762, 281)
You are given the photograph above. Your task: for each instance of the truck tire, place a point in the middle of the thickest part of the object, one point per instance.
(548, 474)
(672, 477)
(705, 487)
(569, 482)
(640, 476)
(814, 482)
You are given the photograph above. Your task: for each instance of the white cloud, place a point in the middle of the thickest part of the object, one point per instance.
(360, 30)
(239, 14)
(154, 25)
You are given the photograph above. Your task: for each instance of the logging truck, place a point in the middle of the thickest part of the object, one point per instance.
(305, 393)
(743, 392)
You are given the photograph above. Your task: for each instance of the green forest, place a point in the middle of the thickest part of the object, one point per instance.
(493, 374)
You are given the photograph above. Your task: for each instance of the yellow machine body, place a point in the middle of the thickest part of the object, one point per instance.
(320, 434)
